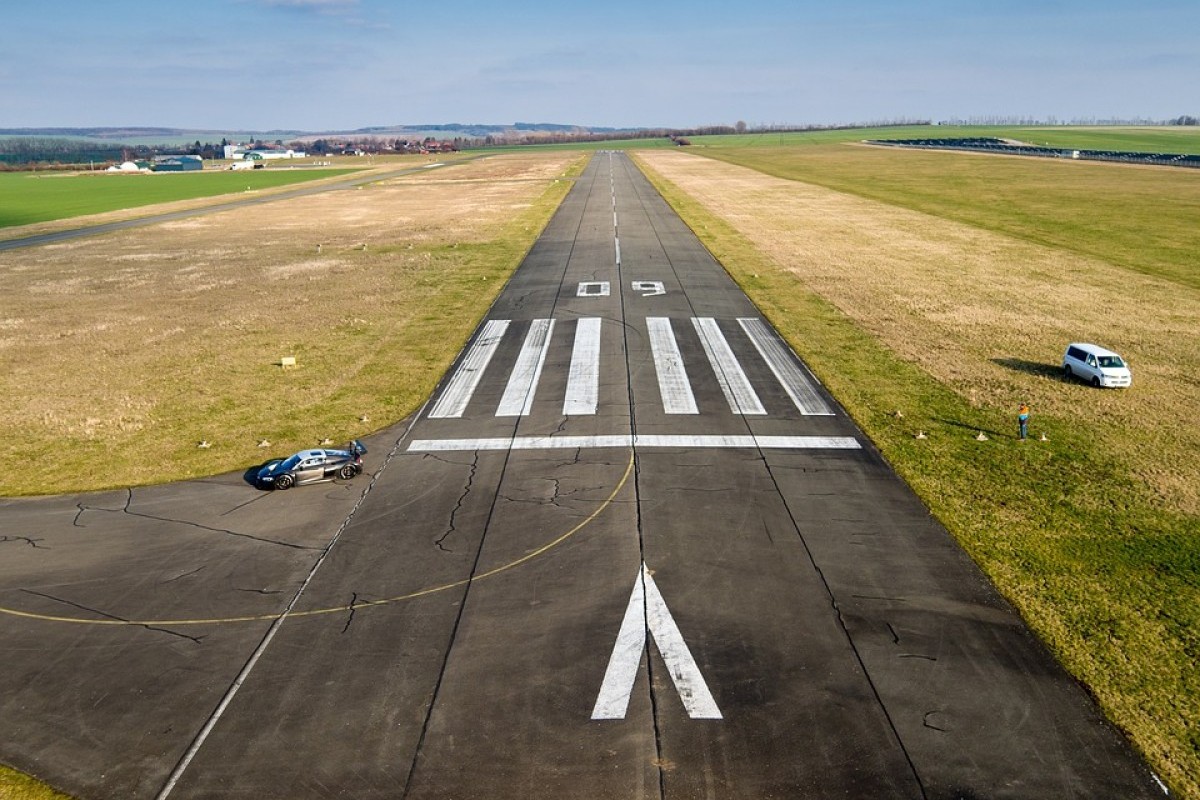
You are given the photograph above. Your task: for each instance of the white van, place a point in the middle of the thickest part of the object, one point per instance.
(1094, 364)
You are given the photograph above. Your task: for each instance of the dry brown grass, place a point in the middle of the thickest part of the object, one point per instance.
(982, 312)
(122, 351)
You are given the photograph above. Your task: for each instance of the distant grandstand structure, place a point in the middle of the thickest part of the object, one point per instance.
(983, 144)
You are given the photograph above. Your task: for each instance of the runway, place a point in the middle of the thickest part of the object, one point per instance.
(630, 548)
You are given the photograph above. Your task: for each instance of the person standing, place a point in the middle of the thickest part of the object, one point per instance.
(1023, 420)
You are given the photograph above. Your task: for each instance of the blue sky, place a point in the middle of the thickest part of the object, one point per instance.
(343, 64)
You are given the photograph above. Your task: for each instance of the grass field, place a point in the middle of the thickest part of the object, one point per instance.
(1093, 534)
(1140, 218)
(132, 347)
(30, 197)
(1165, 139)
(16, 786)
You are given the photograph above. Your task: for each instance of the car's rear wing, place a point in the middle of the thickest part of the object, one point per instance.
(357, 447)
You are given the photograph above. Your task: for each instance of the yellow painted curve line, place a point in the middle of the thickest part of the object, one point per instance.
(163, 623)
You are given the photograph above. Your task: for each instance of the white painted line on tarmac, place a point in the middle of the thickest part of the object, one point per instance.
(583, 379)
(593, 289)
(673, 385)
(454, 399)
(730, 375)
(787, 369)
(647, 612)
(517, 399)
(648, 288)
(640, 441)
(617, 242)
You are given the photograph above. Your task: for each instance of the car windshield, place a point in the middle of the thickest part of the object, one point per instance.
(1111, 361)
(290, 462)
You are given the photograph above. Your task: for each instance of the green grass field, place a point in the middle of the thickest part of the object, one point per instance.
(1142, 218)
(29, 197)
(1104, 567)
(1165, 139)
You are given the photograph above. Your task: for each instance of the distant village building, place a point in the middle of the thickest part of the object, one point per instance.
(266, 155)
(233, 152)
(177, 163)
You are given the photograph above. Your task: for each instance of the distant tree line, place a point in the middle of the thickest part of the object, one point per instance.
(18, 152)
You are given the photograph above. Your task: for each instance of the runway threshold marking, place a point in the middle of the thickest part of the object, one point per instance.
(583, 377)
(673, 385)
(787, 370)
(647, 612)
(357, 605)
(522, 383)
(732, 378)
(454, 399)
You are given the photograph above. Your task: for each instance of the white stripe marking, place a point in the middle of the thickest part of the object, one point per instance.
(787, 370)
(583, 380)
(454, 399)
(522, 383)
(618, 244)
(677, 397)
(639, 441)
(647, 610)
(734, 383)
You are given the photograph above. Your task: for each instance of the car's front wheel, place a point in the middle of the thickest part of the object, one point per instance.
(1096, 381)
(285, 481)
(347, 472)
(1067, 374)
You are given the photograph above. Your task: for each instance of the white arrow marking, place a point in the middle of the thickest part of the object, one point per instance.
(649, 288)
(648, 610)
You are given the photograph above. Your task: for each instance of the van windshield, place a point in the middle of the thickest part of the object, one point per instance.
(1111, 361)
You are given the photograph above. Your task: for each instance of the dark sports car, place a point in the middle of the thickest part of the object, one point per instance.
(312, 466)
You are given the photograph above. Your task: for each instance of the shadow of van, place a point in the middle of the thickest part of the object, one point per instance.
(1039, 368)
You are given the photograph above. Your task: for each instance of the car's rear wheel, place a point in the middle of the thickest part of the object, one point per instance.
(347, 472)
(285, 481)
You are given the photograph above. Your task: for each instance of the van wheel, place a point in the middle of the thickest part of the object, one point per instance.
(1096, 382)
(1067, 374)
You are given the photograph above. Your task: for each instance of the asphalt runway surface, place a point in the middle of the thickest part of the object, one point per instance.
(629, 549)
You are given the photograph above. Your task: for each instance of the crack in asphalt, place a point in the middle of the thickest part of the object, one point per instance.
(106, 615)
(443, 459)
(31, 542)
(126, 510)
(350, 608)
(186, 574)
(239, 506)
(452, 529)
